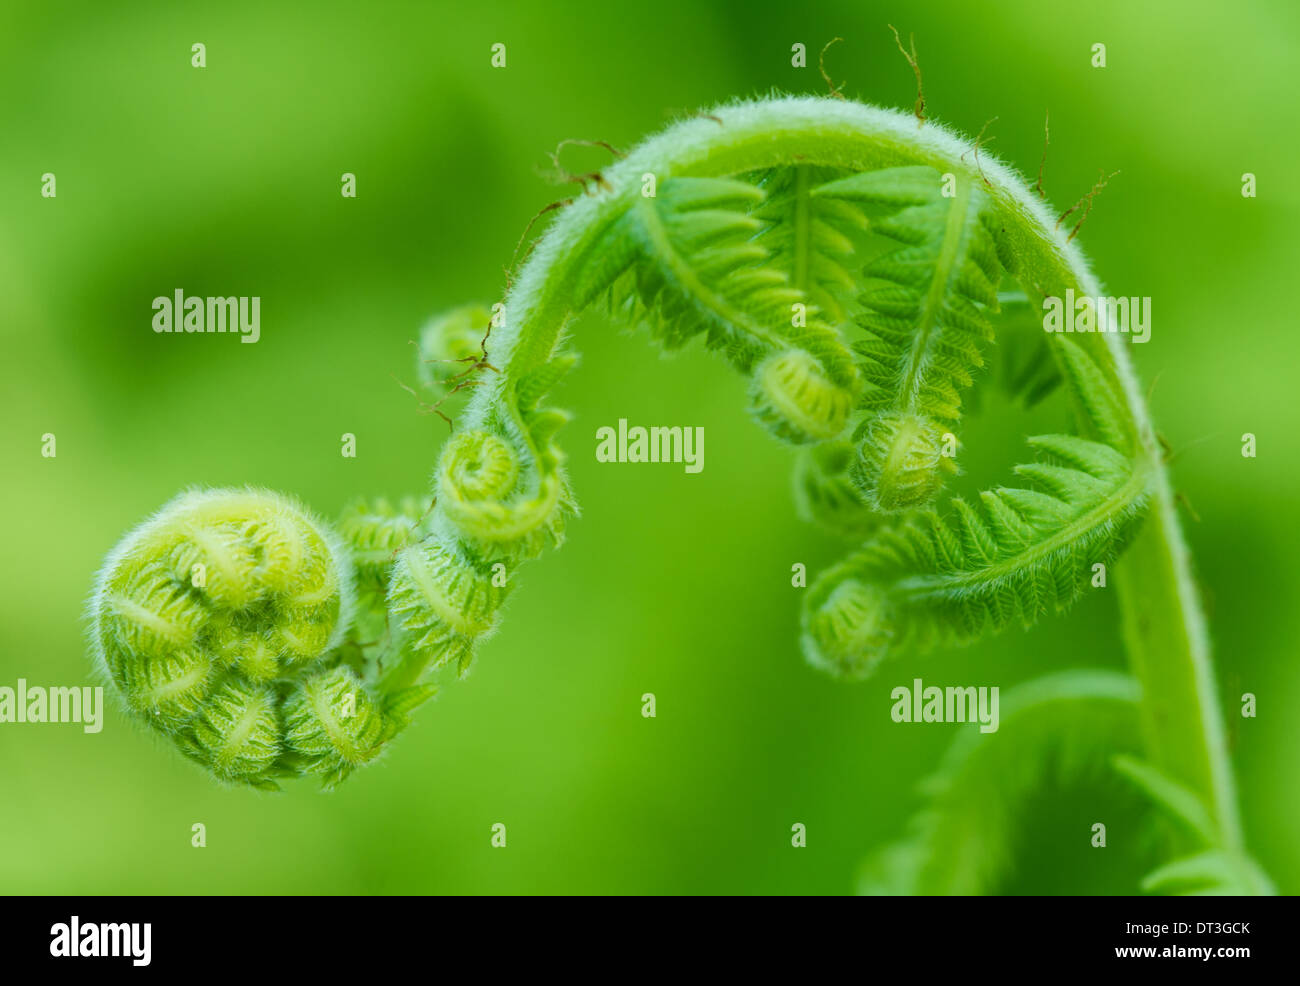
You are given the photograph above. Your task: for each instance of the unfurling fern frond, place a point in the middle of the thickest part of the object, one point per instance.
(1212, 868)
(1057, 727)
(1020, 554)
(743, 226)
(1016, 555)
(925, 308)
(698, 267)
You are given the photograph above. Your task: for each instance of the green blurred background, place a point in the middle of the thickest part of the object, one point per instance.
(225, 180)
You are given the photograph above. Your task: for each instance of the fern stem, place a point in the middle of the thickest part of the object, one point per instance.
(1164, 627)
(1169, 652)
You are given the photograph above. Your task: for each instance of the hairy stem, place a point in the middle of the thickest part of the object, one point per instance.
(1164, 629)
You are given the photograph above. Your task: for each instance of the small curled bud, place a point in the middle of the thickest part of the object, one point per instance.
(846, 626)
(477, 466)
(450, 342)
(480, 492)
(900, 464)
(236, 734)
(444, 602)
(793, 397)
(333, 725)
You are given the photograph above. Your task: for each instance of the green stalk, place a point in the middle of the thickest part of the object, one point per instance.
(1169, 653)
(1163, 626)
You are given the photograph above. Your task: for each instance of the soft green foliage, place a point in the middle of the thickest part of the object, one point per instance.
(853, 266)
(963, 841)
(1018, 554)
(923, 309)
(1213, 867)
(811, 238)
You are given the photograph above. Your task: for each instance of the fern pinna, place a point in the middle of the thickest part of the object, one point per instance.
(860, 272)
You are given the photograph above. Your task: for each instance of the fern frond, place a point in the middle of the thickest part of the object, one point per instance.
(1212, 873)
(688, 262)
(925, 307)
(1176, 801)
(1061, 726)
(1019, 554)
(746, 241)
(811, 237)
(1211, 870)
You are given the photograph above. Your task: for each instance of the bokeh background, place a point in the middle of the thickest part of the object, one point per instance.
(225, 180)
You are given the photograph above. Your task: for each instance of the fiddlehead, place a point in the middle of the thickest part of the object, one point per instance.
(855, 268)
(224, 623)
(850, 266)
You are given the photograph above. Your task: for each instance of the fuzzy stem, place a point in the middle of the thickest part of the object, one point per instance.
(1164, 628)
(1170, 656)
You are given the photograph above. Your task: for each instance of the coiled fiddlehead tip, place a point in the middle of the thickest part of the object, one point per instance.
(792, 395)
(477, 466)
(900, 464)
(481, 490)
(847, 629)
(221, 620)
